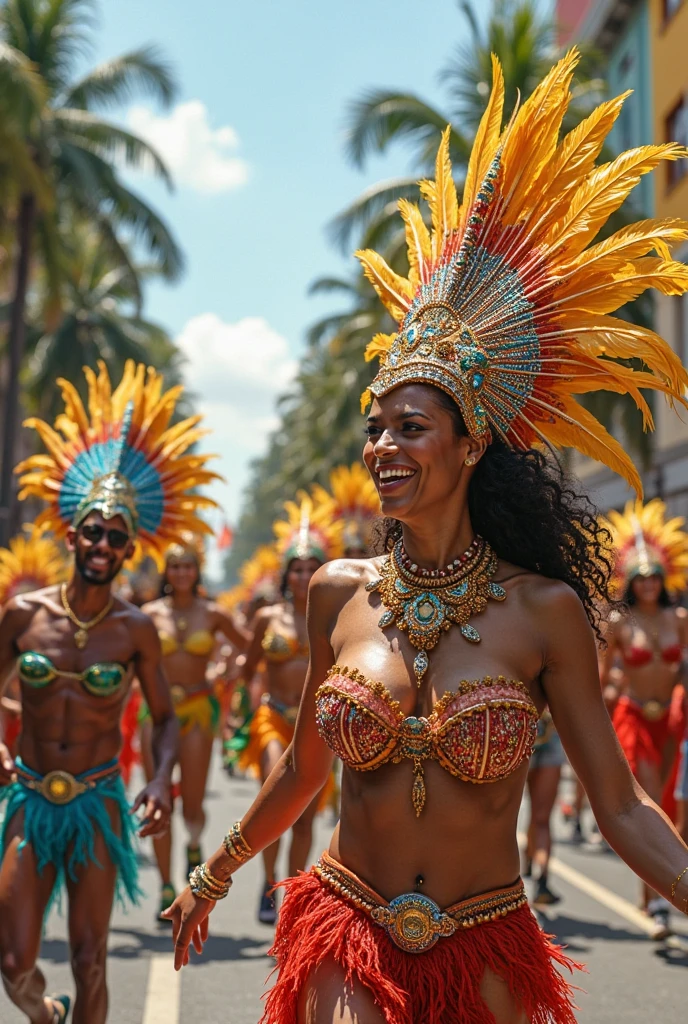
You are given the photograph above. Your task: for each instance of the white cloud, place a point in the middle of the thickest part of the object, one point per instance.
(198, 156)
(236, 372)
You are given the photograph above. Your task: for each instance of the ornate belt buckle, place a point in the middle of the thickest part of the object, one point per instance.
(60, 787)
(414, 922)
(653, 710)
(178, 694)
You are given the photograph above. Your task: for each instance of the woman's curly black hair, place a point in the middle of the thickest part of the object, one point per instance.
(533, 516)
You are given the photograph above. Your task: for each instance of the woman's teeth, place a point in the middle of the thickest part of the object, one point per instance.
(395, 474)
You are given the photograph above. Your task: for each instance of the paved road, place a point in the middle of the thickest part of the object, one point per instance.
(631, 980)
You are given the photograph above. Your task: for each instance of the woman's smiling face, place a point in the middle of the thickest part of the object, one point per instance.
(413, 452)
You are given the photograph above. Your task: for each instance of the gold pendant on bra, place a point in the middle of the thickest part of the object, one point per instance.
(425, 603)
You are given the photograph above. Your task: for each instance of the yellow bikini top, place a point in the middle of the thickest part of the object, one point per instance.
(280, 647)
(200, 643)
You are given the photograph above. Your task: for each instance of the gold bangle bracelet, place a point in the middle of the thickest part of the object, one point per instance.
(236, 846)
(204, 884)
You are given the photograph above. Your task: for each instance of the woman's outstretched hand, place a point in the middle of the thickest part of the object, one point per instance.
(189, 916)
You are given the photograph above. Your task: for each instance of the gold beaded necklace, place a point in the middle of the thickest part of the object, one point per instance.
(424, 603)
(81, 635)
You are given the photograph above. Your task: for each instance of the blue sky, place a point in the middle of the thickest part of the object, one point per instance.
(255, 144)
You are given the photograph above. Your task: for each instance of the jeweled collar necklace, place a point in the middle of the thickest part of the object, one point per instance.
(424, 603)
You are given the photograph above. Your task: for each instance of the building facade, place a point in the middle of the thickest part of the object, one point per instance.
(645, 43)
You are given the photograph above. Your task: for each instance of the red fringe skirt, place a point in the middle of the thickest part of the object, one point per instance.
(438, 986)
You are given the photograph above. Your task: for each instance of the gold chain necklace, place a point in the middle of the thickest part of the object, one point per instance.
(424, 603)
(81, 635)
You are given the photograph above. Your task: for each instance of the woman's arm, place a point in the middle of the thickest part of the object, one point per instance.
(224, 623)
(631, 823)
(298, 776)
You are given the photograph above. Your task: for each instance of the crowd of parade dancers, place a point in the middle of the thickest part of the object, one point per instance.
(436, 630)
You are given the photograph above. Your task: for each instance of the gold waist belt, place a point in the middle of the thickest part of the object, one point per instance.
(61, 787)
(414, 921)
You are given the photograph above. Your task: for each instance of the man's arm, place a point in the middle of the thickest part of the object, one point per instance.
(155, 798)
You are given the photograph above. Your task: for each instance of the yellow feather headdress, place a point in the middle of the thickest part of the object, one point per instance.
(646, 543)
(309, 531)
(355, 501)
(188, 544)
(258, 577)
(506, 306)
(121, 457)
(30, 563)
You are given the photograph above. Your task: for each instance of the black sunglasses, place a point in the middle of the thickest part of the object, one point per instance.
(94, 533)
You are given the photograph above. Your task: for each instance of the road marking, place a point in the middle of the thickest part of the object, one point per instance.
(163, 992)
(609, 899)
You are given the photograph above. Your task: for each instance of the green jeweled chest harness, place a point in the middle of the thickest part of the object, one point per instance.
(424, 603)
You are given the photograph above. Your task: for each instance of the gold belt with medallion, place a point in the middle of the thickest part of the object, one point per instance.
(60, 787)
(413, 921)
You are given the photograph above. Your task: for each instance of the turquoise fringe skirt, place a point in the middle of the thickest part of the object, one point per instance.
(65, 835)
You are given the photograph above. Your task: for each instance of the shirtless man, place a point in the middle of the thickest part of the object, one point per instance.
(75, 678)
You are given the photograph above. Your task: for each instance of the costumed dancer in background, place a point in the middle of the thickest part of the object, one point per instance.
(117, 484)
(480, 613)
(356, 503)
(651, 566)
(306, 539)
(544, 776)
(258, 588)
(31, 562)
(187, 624)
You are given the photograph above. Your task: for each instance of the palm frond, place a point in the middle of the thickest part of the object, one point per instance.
(143, 71)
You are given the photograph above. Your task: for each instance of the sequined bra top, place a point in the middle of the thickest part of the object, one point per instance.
(201, 643)
(280, 647)
(101, 680)
(481, 733)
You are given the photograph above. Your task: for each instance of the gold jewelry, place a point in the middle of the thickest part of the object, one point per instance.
(81, 635)
(236, 846)
(470, 461)
(674, 886)
(204, 884)
(425, 602)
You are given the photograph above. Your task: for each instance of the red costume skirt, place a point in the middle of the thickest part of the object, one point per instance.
(645, 740)
(440, 985)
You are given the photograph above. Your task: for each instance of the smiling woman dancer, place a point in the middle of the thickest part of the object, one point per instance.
(307, 538)
(651, 565)
(480, 613)
(187, 625)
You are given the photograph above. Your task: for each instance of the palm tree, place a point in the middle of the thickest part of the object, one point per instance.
(100, 298)
(77, 153)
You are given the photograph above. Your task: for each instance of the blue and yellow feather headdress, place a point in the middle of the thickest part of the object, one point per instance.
(121, 457)
(506, 305)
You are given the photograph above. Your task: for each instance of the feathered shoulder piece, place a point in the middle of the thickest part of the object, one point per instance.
(30, 563)
(646, 543)
(120, 455)
(507, 303)
(311, 530)
(355, 501)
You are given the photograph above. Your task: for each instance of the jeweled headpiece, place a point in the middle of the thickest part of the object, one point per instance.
(506, 303)
(121, 457)
(191, 544)
(309, 531)
(30, 563)
(356, 502)
(646, 543)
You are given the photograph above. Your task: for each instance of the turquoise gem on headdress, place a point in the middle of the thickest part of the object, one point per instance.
(477, 381)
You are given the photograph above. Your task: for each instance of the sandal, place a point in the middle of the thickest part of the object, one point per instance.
(61, 1007)
(167, 898)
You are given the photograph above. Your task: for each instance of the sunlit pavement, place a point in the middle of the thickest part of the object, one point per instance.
(631, 979)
